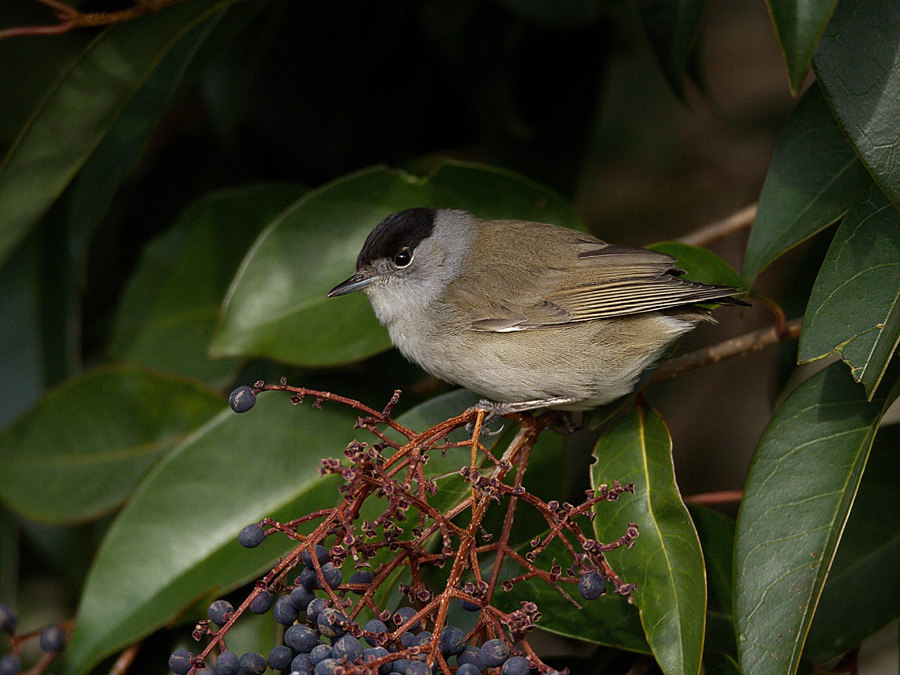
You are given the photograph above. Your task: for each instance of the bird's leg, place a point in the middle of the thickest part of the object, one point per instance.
(493, 409)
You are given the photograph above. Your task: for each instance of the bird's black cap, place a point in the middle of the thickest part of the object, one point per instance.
(405, 229)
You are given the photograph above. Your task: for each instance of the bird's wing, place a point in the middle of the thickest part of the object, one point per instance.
(594, 280)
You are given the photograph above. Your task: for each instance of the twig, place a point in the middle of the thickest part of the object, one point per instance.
(749, 342)
(737, 221)
(126, 658)
(70, 17)
(711, 498)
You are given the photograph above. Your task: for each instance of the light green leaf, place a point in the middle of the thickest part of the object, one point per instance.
(862, 594)
(80, 452)
(797, 498)
(798, 26)
(854, 307)
(168, 311)
(700, 264)
(277, 306)
(177, 537)
(666, 561)
(82, 109)
(813, 179)
(858, 66)
(673, 29)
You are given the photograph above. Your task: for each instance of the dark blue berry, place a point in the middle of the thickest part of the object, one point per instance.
(280, 658)
(407, 640)
(180, 661)
(361, 577)
(591, 585)
(471, 655)
(374, 626)
(251, 536)
(333, 575)
(262, 603)
(308, 579)
(516, 665)
(253, 664)
(453, 640)
(494, 653)
(423, 638)
(301, 638)
(403, 615)
(300, 598)
(320, 653)
(314, 609)
(11, 665)
(469, 606)
(53, 639)
(468, 669)
(321, 554)
(219, 611)
(8, 619)
(400, 665)
(242, 399)
(418, 668)
(327, 667)
(330, 623)
(347, 647)
(302, 664)
(227, 663)
(284, 611)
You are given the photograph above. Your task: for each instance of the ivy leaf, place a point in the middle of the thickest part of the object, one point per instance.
(797, 497)
(854, 307)
(666, 561)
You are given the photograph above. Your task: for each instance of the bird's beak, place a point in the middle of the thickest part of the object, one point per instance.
(355, 283)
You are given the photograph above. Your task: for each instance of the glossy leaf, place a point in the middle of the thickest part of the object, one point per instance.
(814, 177)
(797, 497)
(858, 67)
(673, 29)
(81, 451)
(609, 620)
(277, 306)
(716, 533)
(862, 594)
(700, 264)
(666, 561)
(798, 26)
(854, 307)
(168, 311)
(177, 537)
(82, 109)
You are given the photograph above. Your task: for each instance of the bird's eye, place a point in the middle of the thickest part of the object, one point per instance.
(403, 258)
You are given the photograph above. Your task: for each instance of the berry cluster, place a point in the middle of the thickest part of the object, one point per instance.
(335, 626)
(52, 640)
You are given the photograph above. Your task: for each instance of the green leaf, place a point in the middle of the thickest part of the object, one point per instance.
(854, 307)
(168, 311)
(798, 26)
(798, 494)
(719, 663)
(858, 66)
(177, 537)
(83, 108)
(666, 561)
(716, 533)
(673, 29)
(862, 594)
(813, 179)
(80, 452)
(609, 620)
(700, 264)
(277, 307)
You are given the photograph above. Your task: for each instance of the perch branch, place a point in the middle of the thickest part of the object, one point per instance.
(737, 221)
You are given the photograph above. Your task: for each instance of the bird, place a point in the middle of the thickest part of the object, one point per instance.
(530, 315)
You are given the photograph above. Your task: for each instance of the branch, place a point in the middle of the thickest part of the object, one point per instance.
(737, 221)
(749, 342)
(70, 17)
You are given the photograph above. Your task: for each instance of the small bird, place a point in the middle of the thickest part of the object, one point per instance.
(527, 314)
